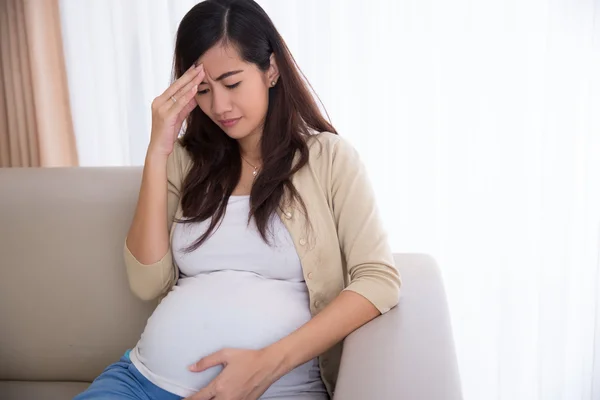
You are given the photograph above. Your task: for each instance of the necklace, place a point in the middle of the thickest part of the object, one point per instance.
(255, 172)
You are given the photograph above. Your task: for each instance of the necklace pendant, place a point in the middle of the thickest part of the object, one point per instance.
(254, 172)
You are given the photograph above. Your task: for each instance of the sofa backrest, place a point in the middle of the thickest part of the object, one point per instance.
(66, 311)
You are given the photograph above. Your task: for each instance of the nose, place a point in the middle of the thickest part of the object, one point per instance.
(221, 103)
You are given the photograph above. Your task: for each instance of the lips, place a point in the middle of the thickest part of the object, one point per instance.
(229, 122)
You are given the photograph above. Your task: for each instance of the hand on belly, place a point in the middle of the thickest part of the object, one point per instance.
(246, 374)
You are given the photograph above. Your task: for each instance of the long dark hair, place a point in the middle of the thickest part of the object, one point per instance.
(292, 116)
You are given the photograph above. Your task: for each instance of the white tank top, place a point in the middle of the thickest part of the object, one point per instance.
(235, 291)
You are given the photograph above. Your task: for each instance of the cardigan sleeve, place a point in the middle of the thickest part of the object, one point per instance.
(363, 240)
(149, 281)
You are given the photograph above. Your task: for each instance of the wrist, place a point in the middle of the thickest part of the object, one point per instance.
(156, 156)
(279, 358)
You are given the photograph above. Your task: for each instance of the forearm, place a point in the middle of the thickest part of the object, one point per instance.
(348, 312)
(148, 237)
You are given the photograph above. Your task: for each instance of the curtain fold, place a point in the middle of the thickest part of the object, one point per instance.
(36, 127)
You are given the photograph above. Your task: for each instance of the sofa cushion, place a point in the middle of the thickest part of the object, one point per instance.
(17, 390)
(66, 310)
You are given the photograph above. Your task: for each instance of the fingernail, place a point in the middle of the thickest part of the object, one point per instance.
(200, 66)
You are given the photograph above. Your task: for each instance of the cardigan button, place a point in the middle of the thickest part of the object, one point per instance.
(302, 242)
(309, 275)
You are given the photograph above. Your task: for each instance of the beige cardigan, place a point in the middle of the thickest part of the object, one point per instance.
(346, 247)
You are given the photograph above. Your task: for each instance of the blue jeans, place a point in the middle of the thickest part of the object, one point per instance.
(122, 380)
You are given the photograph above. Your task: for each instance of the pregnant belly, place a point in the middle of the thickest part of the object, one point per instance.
(209, 312)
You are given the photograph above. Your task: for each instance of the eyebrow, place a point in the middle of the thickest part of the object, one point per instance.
(225, 75)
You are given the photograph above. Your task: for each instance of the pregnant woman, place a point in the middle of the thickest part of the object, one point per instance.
(256, 228)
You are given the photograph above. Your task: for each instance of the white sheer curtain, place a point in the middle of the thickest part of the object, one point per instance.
(479, 122)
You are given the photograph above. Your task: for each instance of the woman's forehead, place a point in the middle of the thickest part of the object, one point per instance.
(221, 59)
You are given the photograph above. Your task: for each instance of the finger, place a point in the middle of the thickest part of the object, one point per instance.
(176, 104)
(185, 112)
(188, 108)
(183, 80)
(208, 393)
(193, 83)
(183, 101)
(207, 362)
(179, 100)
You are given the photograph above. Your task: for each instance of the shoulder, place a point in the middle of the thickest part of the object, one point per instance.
(327, 149)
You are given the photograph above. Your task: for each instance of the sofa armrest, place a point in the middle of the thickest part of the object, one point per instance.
(407, 353)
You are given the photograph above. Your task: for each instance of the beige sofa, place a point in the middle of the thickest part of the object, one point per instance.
(66, 311)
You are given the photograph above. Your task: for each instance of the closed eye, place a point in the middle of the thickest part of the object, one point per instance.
(227, 86)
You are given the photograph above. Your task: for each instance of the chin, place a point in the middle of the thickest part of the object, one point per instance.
(237, 132)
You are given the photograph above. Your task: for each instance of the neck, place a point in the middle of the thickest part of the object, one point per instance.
(250, 148)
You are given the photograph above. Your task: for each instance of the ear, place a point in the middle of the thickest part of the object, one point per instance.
(272, 72)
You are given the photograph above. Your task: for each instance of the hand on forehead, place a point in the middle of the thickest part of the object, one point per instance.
(221, 60)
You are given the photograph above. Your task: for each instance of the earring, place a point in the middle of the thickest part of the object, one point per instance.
(273, 83)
